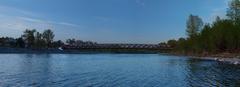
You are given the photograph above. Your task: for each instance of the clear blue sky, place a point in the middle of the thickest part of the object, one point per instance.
(110, 21)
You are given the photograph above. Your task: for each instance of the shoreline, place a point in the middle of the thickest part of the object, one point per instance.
(230, 58)
(9, 50)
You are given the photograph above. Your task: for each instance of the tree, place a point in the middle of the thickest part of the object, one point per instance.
(48, 37)
(2, 41)
(172, 43)
(39, 42)
(20, 43)
(233, 11)
(71, 41)
(206, 38)
(79, 42)
(181, 45)
(217, 20)
(29, 38)
(223, 35)
(58, 43)
(163, 44)
(194, 25)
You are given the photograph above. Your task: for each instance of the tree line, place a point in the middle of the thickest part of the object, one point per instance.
(223, 35)
(32, 39)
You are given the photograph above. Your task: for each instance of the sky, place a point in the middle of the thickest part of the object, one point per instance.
(107, 21)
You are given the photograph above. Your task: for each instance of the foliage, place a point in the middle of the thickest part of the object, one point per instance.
(234, 10)
(172, 43)
(57, 44)
(223, 35)
(71, 41)
(32, 39)
(20, 43)
(48, 37)
(39, 41)
(194, 25)
(29, 38)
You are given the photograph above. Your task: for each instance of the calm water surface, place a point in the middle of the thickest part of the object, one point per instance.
(113, 70)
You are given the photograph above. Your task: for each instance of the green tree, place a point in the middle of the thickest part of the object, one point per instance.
(181, 45)
(28, 36)
(58, 43)
(39, 42)
(233, 11)
(223, 35)
(48, 37)
(206, 40)
(20, 43)
(71, 41)
(194, 25)
(172, 43)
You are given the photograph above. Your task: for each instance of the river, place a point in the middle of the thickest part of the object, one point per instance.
(114, 70)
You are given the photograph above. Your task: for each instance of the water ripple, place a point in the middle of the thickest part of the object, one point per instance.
(128, 70)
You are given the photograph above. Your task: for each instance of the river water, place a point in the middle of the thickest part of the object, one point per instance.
(114, 70)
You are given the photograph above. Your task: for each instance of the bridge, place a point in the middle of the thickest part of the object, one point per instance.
(118, 46)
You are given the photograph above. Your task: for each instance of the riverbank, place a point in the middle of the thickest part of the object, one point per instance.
(235, 61)
(9, 50)
(231, 58)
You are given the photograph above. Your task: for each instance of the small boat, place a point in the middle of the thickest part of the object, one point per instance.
(60, 48)
(236, 63)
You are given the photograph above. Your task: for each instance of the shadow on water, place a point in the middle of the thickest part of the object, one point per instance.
(204, 73)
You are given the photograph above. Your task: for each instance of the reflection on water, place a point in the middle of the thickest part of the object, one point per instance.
(111, 70)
